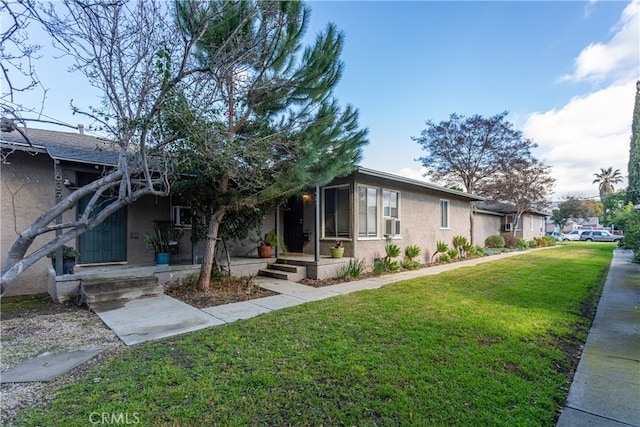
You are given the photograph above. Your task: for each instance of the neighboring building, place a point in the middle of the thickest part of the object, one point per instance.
(530, 224)
(36, 176)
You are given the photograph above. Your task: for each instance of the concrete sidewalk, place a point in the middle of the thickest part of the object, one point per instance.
(606, 387)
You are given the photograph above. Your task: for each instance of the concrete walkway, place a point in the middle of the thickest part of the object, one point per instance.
(606, 386)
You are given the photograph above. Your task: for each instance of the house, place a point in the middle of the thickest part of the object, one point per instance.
(35, 176)
(369, 208)
(365, 210)
(530, 224)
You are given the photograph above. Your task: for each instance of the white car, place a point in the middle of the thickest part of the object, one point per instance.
(572, 236)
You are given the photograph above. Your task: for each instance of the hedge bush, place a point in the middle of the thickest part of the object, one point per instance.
(495, 241)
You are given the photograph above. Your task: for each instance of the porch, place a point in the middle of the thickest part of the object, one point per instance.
(66, 287)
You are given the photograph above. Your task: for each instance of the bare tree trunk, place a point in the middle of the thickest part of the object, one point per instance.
(210, 250)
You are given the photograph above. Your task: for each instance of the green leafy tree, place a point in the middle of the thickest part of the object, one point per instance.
(577, 210)
(605, 180)
(266, 125)
(465, 151)
(611, 205)
(525, 187)
(633, 191)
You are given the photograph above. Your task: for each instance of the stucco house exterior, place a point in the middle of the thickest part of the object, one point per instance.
(531, 223)
(364, 210)
(34, 177)
(369, 208)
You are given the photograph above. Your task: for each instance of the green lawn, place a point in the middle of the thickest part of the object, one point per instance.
(476, 346)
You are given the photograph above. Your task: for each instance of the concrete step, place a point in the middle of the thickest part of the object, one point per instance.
(267, 272)
(284, 272)
(283, 267)
(119, 288)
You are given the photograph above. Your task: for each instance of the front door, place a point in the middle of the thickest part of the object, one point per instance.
(107, 242)
(293, 224)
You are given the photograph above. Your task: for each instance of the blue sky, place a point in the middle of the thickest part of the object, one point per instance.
(408, 62)
(565, 71)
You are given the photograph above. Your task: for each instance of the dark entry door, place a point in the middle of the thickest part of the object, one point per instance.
(106, 242)
(293, 223)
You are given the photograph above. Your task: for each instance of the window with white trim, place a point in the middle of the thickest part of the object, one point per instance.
(391, 212)
(531, 222)
(542, 224)
(335, 213)
(367, 211)
(444, 213)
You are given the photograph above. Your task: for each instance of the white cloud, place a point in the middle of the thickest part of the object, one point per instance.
(589, 133)
(413, 173)
(619, 58)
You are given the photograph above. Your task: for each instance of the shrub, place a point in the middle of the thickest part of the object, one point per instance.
(468, 249)
(392, 250)
(510, 241)
(532, 243)
(411, 264)
(412, 251)
(453, 253)
(460, 242)
(495, 241)
(441, 247)
(521, 243)
(479, 250)
(354, 268)
(444, 258)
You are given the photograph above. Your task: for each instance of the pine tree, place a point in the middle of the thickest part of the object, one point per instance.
(267, 125)
(633, 192)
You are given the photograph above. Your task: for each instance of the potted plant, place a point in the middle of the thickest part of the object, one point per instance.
(158, 242)
(338, 250)
(69, 256)
(266, 245)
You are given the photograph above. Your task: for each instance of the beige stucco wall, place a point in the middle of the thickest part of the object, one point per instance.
(531, 227)
(485, 225)
(27, 191)
(419, 220)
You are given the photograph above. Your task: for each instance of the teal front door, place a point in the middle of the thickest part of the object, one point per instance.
(106, 242)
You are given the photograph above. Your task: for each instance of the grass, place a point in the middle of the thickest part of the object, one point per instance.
(476, 346)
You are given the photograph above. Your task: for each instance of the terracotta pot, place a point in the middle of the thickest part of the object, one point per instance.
(265, 251)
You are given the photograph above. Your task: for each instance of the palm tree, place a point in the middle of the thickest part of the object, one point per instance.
(606, 178)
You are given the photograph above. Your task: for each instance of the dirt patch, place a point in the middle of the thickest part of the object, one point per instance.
(222, 291)
(319, 283)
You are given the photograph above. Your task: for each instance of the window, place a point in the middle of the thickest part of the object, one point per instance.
(367, 212)
(336, 212)
(181, 216)
(542, 225)
(391, 212)
(531, 222)
(444, 214)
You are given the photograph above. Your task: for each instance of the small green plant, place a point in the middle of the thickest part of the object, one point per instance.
(392, 250)
(444, 258)
(494, 242)
(469, 249)
(521, 243)
(158, 242)
(532, 243)
(441, 247)
(459, 243)
(354, 268)
(410, 253)
(453, 253)
(378, 267)
(479, 250)
(67, 253)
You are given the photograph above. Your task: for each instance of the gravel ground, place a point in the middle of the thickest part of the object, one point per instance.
(30, 333)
